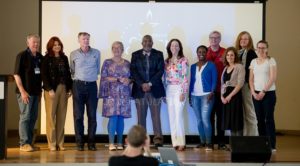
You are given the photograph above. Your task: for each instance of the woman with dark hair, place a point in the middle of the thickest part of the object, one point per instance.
(202, 87)
(232, 81)
(263, 73)
(244, 44)
(176, 71)
(57, 84)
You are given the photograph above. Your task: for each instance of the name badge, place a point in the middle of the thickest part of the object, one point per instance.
(37, 70)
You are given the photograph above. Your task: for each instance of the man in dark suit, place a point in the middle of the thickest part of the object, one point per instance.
(147, 68)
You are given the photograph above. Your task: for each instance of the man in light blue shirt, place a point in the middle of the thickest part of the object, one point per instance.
(85, 68)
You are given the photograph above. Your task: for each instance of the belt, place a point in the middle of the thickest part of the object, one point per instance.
(84, 82)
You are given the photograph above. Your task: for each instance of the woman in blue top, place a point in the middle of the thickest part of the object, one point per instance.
(202, 86)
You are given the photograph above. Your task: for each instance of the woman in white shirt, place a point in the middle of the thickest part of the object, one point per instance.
(262, 77)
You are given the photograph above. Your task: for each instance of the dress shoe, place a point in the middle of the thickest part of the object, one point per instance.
(92, 148)
(223, 147)
(80, 148)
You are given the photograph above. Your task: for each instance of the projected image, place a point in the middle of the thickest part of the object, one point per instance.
(129, 22)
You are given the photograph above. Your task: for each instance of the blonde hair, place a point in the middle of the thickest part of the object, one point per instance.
(118, 42)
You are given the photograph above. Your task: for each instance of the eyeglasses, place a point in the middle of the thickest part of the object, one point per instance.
(214, 38)
(261, 48)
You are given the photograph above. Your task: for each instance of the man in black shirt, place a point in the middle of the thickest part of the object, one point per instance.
(137, 141)
(29, 88)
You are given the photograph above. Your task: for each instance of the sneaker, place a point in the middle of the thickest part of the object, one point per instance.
(26, 148)
(112, 147)
(52, 148)
(209, 147)
(35, 148)
(120, 147)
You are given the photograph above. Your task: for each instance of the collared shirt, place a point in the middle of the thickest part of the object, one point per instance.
(28, 68)
(147, 54)
(217, 58)
(85, 66)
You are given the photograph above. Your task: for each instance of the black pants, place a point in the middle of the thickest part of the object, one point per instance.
(217, 110)
(264, 110)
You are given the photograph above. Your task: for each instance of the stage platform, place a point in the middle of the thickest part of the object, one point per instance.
(288, 153)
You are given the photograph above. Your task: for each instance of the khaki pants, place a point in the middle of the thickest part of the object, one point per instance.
(250, 121)
(56, 109)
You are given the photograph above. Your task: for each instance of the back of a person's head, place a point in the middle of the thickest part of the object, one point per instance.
(136, 136)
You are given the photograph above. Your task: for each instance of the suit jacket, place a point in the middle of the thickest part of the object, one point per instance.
(138, 73)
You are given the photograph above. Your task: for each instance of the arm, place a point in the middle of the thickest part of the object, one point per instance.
(45, 74)
(24, 94)
(159, 68)
(184, 79)
(214, 81)
(72, 65)
(133, 70)
(272, 79)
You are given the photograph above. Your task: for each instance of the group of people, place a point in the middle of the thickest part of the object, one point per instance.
(235, 84)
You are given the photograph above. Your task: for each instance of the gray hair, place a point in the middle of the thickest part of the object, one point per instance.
(215, 32)
(32, 36)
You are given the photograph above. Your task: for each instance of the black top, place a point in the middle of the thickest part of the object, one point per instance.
(132, 161)
(138, 70)
(250, 56)
(56, 70)
(227, 76)
(28, 68)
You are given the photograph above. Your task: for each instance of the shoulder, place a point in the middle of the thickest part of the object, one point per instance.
(272, 61)
(156, 51)
(95, 51)
(115, 160)
(137, 52)
(126, 61)
(74, 52)
(239, 66)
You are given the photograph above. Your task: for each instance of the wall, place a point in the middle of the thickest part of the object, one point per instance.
(19, 17)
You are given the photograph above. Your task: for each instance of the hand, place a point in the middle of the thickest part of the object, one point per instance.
(25, 97)
(146, 87)
(210, 97)
(124, 80)
(69, 94)
(112, 79)
(261, 95)
(164, 99)
(255, 96)
(223, 100)
(228, 98)
(52, 94)
(182, 97)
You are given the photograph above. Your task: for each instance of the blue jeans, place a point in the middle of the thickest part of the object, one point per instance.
(115, 124)
(264, 110)
(85, 94)
(202, 108)
(28, 117)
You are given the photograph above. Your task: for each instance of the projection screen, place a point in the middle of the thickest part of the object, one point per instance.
(129, 21)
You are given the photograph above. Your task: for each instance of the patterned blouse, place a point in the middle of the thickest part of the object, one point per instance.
(176, 74)
(116, 95)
